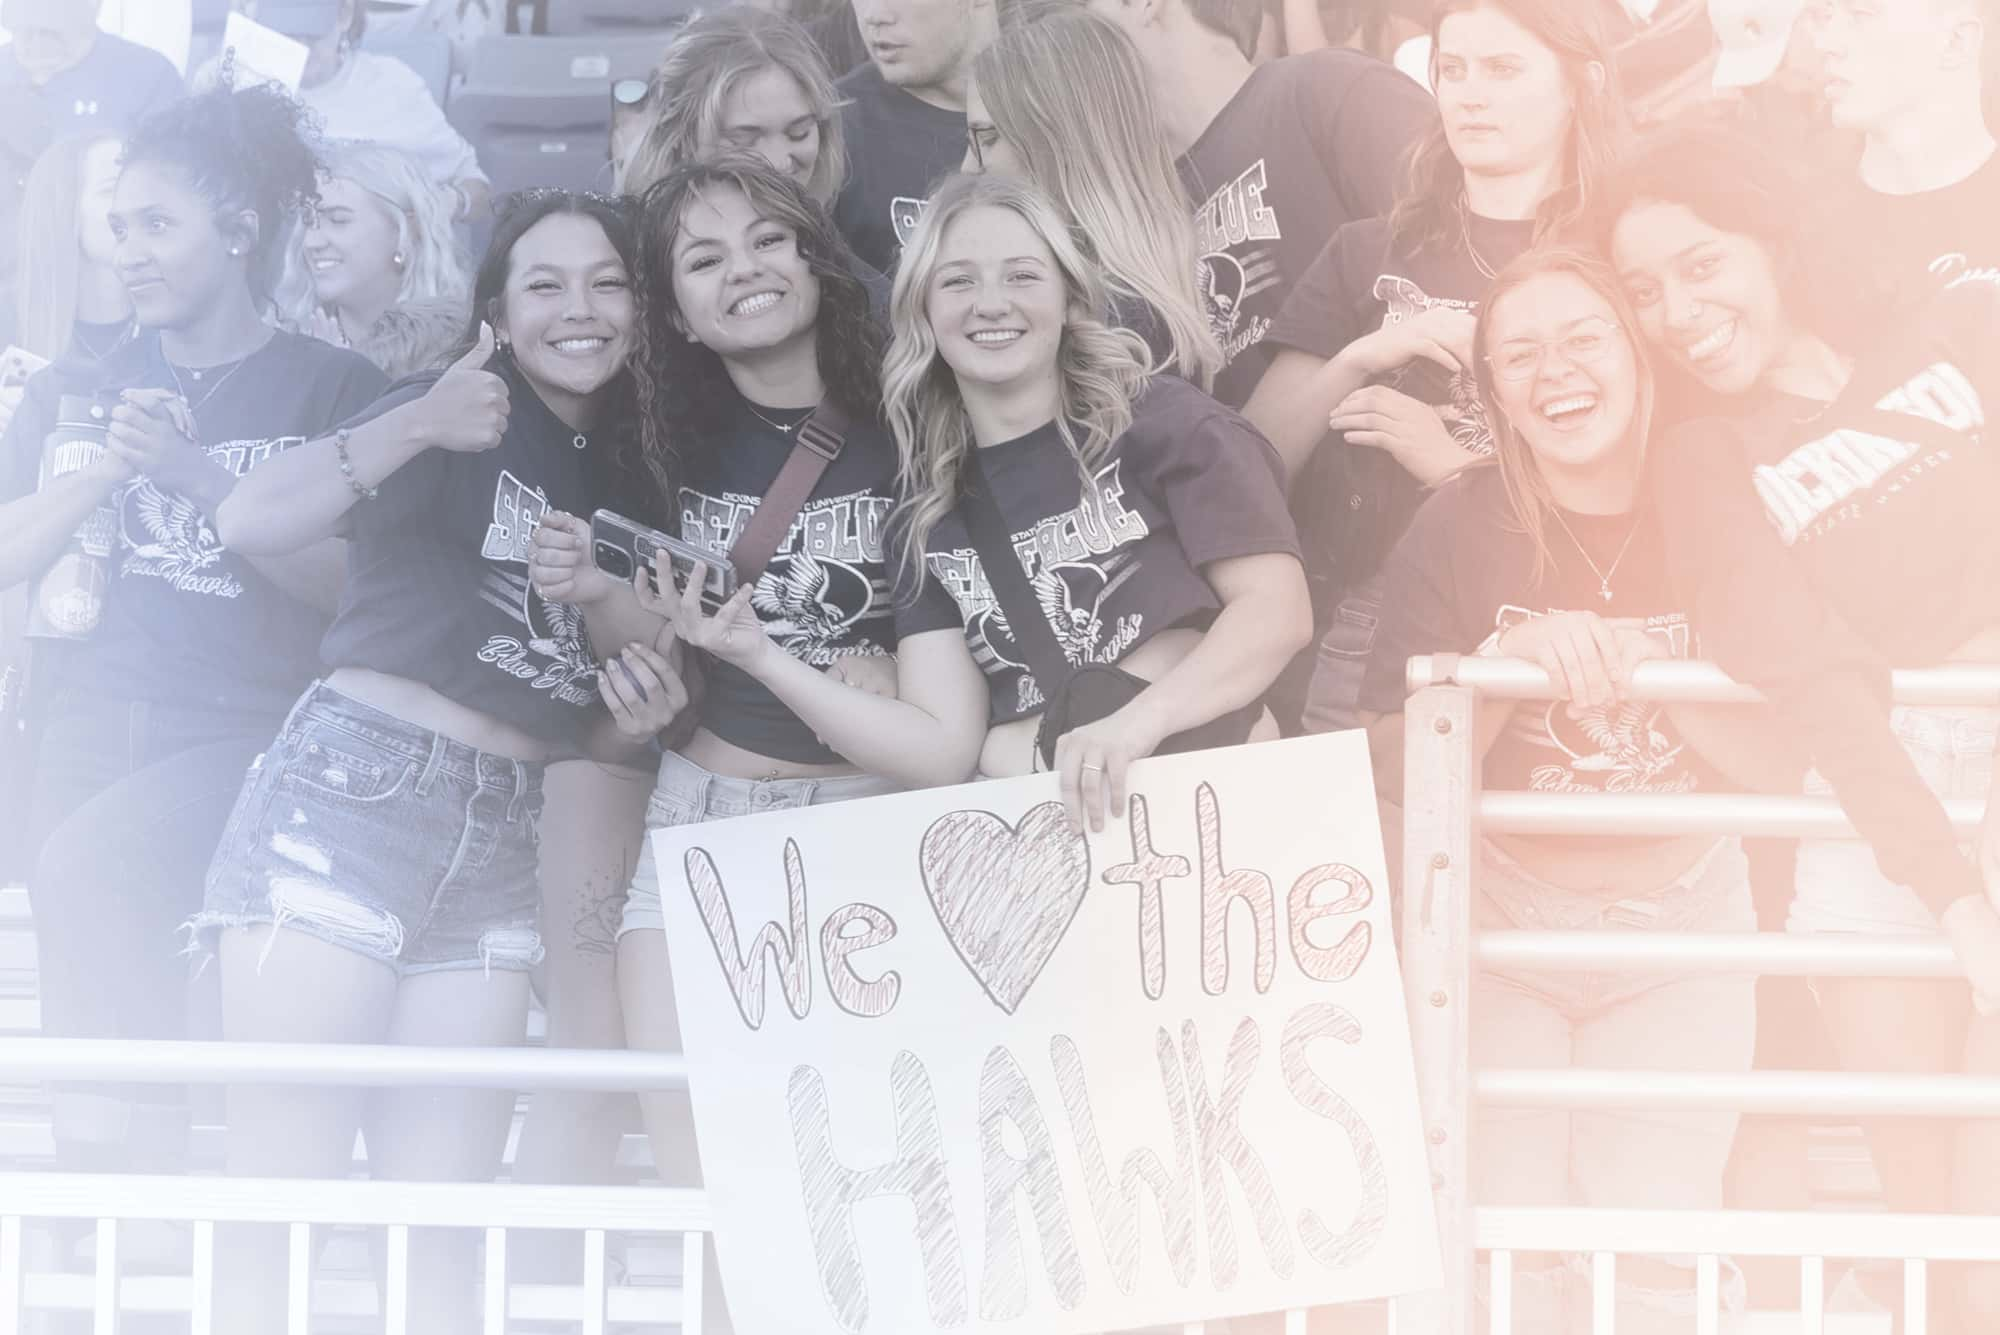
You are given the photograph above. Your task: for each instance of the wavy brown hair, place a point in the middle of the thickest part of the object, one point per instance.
(1101, 369)
(1428, 212)
(1528, 495)
(684, 390)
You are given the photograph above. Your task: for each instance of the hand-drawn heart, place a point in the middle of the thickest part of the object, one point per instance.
(1005, 894)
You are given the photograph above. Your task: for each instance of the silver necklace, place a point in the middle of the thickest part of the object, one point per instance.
(784, 428)
(220, 381)
(1603, 576)
(1486, 271)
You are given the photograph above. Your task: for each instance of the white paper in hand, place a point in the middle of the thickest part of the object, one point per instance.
(264, 55)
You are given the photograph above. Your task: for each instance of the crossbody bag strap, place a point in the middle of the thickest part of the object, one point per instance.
(1009, 583)
(821, 438)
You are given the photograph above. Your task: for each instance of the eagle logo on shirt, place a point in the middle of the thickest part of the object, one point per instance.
(166, 536)
(1622, 742)
(1464, 416)
(811, 604)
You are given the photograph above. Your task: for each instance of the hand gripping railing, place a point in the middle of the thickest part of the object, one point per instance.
(1445, 813)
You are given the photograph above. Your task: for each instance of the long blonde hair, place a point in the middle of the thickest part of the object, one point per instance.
(1528, 496)
(1068, 92)
(1100, 369)
(435, 267)
(48, 253)
(705, 62)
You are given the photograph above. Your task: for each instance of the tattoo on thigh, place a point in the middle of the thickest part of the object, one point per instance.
(600, 905)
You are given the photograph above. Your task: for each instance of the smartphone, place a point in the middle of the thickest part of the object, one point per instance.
(17, 365)
(620, 546)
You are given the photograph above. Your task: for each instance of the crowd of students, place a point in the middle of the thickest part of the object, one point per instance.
(1066, 384)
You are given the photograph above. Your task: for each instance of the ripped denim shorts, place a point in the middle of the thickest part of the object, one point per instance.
(384, 838)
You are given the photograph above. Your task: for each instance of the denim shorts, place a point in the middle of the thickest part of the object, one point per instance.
(384, 838)
(687, 794)
(1840, 886)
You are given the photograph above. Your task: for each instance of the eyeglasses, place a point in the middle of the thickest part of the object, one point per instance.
(982, 137)
(1585, 345)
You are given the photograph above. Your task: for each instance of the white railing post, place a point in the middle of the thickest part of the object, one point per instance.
(1440, 793)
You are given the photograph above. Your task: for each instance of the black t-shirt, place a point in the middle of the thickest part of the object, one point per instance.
(898, 147)
(1308, 143)
(825, 595)
(1190, 483)
(1353, 502)
(437, 572)
(1937, 238)
(187, 621)
(1821, 544)
(1464, 571)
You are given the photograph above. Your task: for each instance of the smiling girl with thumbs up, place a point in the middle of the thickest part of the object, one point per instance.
(377, 882)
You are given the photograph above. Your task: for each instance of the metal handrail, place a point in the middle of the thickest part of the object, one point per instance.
(1665, 814)
(138, 1061)
(1689, 682)
(1775, 1093)
(1773, 954)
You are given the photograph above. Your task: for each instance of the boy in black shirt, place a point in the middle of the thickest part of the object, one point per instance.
(1279, 156)
(1908, 76)
(904, 119)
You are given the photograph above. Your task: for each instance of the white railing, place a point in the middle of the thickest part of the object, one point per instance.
(1445, 813)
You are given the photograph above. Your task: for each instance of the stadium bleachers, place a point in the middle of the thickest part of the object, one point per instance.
(537, 109)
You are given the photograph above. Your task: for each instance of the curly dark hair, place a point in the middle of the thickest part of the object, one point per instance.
(252, 149)
(684, 392)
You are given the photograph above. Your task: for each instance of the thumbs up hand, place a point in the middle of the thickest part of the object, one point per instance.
(466, 410)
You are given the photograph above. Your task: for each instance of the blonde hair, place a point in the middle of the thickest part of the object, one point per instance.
(702, 67)
(48, 253)
(1528, 495)
(1100, 369)
(1068, 92)
(435, 268)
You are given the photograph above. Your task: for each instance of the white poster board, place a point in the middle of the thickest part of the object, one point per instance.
(264, 55)
(955, 1068)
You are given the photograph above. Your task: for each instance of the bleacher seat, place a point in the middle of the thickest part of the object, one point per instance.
(538, 109)
(617, 16)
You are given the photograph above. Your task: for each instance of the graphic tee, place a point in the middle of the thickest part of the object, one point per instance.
(1353, 501)
(1464, 572)
(437, 584)
(187, 621)
(1117, 562)
(1308, 143)
(1824, 543)
(898, 147)
(824, 596)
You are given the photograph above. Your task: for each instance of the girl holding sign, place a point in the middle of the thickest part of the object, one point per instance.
(1112, 545)
(377, 882)
(1553, 554)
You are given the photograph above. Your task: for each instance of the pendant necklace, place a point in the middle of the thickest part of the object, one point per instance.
(1486, 271)
(783, 428)
(194, 405)
(1603, 576)
(579, 441)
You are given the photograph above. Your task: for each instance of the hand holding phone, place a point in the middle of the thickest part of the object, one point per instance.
(622, 547)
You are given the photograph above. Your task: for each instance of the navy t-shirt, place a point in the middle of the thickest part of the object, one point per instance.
(898, 147)
(1353, 502)
(824, 596)
(1310, 142)
(114, 87)
(437, 583)
(1465, 571)
(187, 621)
(1189, 483)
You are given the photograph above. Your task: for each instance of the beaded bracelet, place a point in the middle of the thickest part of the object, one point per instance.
(347, 468)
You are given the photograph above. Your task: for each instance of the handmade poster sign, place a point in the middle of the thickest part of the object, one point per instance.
(957, 1068)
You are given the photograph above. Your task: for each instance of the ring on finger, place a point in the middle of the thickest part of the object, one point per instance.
(1098, 768)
